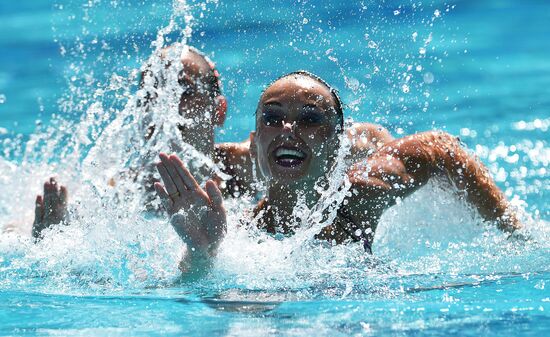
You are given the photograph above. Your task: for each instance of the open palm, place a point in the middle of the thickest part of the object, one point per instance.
(197, 214)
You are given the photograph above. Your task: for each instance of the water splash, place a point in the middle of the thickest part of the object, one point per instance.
(111, 245)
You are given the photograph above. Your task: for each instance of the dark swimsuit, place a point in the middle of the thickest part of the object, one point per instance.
(350, 228)
(343, 224)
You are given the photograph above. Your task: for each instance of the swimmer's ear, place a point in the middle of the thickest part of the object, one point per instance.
(221, 109)
(252, 139)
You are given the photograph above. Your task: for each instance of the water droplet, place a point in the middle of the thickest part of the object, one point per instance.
(2, 98)
(372, 44)
(305, 21)
(418, 68)
(422, 51)
(405, 88)
(428, 78)
(353, 84)
(396, 12)
(437, 13)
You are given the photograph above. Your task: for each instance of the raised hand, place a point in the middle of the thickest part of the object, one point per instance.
(197, 214)
(51, 208)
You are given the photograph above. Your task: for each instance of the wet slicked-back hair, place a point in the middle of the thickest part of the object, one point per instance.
(339, 106)
(212, 78)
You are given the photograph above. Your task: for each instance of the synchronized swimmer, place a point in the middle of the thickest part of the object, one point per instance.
(299, 125)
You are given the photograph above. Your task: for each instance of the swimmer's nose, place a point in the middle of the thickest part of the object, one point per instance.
(288, 126)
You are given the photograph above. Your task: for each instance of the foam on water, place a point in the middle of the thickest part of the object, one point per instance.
(111, 244)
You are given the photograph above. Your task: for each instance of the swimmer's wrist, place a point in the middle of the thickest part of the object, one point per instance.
(196, 262)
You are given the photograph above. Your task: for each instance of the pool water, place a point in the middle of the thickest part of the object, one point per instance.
(479, 70)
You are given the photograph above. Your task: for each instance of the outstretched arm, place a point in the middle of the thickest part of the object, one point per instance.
(197, 215)
(403, 165)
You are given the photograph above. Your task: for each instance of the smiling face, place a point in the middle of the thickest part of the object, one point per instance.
(296, 134)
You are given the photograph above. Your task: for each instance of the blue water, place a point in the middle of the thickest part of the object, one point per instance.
(477, 69)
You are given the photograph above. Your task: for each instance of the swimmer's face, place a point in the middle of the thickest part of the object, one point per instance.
(296, 130)
(198, 102)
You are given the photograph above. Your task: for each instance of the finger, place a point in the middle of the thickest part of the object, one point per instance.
(63, 195)
(48, 188)
(173, 172)
(38, 209)
(215, 195)
(54, 188)
(184, 173)
(161, 191)
(49, 195)
(168, 182)
(163, 195)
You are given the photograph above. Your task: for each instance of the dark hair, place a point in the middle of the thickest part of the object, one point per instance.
(339, 105)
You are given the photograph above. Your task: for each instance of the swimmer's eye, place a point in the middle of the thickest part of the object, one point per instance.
(271, 119)
(311, 118)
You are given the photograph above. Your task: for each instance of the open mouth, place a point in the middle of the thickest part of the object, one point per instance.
(289, 157)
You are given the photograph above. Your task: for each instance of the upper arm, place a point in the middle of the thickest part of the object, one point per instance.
(396, 170)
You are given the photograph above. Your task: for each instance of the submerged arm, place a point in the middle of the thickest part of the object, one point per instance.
(402, 166)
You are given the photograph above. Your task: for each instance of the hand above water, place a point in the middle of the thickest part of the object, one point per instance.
(51, 208)
(197, 214)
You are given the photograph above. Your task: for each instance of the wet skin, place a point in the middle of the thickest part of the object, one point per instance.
(365, 139)
(395, 170)
(50, 208)
(296, 127)
(295, 139)
(197, 102)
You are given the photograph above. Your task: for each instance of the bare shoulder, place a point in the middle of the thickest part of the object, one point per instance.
(429, 143)
(414, 158)
(375, 132)
(396, 169)
(233, 151)
(235, 161)
(367, 138)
